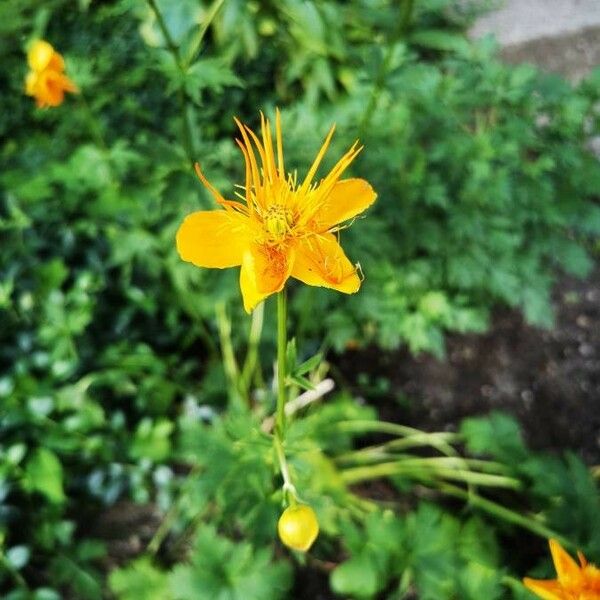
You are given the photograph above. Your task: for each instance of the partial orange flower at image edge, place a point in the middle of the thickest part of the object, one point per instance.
(281, 229)
(46, 81)
(574, 581)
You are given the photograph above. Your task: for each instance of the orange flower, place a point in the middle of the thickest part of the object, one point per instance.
(575, 582)
(46, 80)
(281, 229)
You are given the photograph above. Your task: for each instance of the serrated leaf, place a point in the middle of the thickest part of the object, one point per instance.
(497, 435)
(209, 73)
(140, 580)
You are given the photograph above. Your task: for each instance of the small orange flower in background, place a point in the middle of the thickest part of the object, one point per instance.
(46, 81)
(281, 229)
(575, 581)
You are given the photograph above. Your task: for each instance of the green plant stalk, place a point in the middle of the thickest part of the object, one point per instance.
(506, 514)
(289, 490)
(195, 46)
(186, 130)
(171, 515)
(485, 466)
(418, 468)
(413, 441)
(281, 366)
(368, 426)
(229, 362)
(251, 362)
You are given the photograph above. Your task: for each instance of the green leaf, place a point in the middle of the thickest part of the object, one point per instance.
(152, 440)
(209, 73)
(358, 577)
(308, 365)
(44, 474)
(301, 381)
(439, 39)
(497, 435)
(77, 578)
(223, 569)
(140, 580)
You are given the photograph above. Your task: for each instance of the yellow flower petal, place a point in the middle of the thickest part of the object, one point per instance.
(213, 238)
(321, 261)
(566, 568)
(347, 199)
(264, 272)
(546, 589)
(31, 83)
(39, 55)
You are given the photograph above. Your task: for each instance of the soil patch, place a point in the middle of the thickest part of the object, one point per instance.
(548, 379)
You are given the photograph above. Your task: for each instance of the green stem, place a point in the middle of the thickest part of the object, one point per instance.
(201, 32)
(279, 430)
(502, 512)
(186, 130)
(251, 362)
(281, 367)
(229, 362)
(289, 489)
(172, 514)
(413, 441)
(418, 470)
(367, 426)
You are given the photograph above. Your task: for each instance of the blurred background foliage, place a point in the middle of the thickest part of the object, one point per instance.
(108, 341)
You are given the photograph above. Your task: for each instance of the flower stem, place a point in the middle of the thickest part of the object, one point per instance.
(281, 367)
(230, 364)
(251, 363)
(187, 122)
(502, 512)
(289, 490)
(424, 468)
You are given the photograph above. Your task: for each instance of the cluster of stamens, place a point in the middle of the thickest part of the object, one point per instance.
(278, 221)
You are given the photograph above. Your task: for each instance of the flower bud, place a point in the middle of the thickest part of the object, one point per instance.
(298, 527)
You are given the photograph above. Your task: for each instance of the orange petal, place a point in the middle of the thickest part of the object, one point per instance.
(546, 589)
(347, 199)
(321, 261)
(57, 62)
(39, 55)
(48, 87)
(566, 568)
(264, 272)
(213, 238)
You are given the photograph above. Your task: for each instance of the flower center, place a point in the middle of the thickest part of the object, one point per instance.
(278, 221)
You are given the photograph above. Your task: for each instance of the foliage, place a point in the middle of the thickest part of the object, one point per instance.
(220, 568)
(107, 355)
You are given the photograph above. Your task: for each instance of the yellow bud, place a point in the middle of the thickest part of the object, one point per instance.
(39, 55)
(298, 527)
